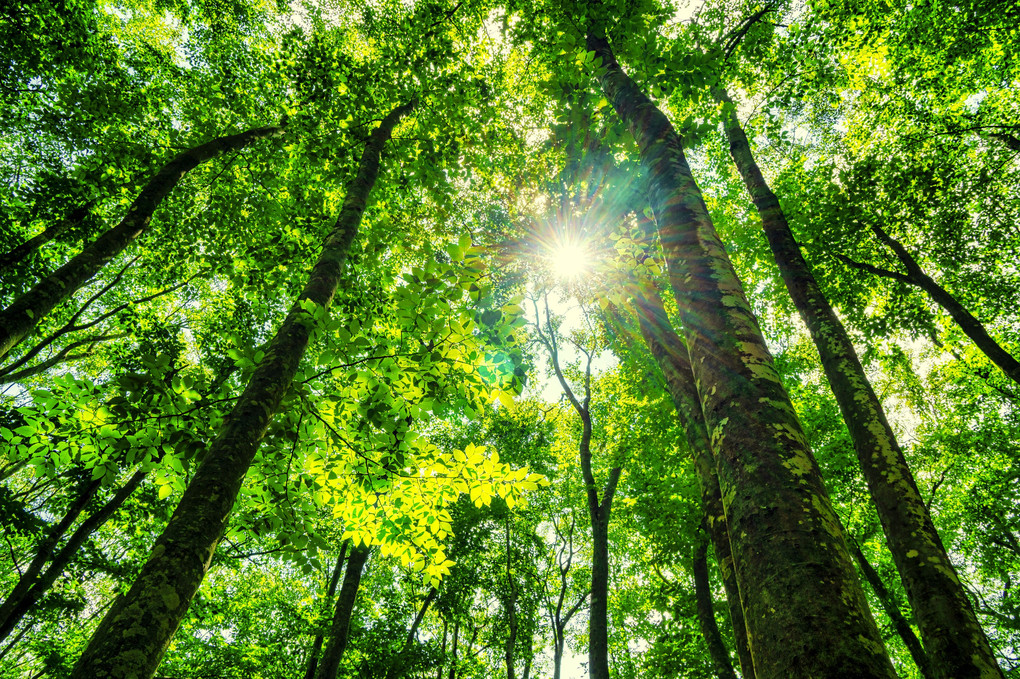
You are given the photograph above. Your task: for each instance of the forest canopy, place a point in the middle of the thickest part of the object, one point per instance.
(458, 338)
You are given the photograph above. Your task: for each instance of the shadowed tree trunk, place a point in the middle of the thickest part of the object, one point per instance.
(338, 630)
(36, 581)
(21, 317)
(706, 612)
(673, 360)
(903, 628)
(952, 635)
(804, 608)
(916, 276)
(18, 253)
(334, 580)
(134, 635)
(396, 666)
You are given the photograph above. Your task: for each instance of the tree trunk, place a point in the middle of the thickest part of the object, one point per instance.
(334, 580)
(804, 608)
(334, 651)
(36, 582)
(511, 612)
(453, 661)
(706, 612)
(18, 253)
(670, 353)
(135, 633)
(903, 628)
(19, 319)
(396, 668)
(952, 635)
(970, 325)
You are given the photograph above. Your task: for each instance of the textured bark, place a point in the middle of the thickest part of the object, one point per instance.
(338, 631)
(36, 582)
(952, 635)
(970, 325)
(19, 319)
(396, 667)
(334, 580)
(135, 633)
(18, 253)
(804, 608)
(706, 613)
(903, 628)
(673, 360)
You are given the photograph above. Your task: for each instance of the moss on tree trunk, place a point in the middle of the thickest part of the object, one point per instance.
(805, 611)
(135, 633)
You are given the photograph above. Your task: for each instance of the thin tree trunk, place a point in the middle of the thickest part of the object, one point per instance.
(903, 627)
(453, 661)
(338, 632)
(804, 608)
(706, 612)
(18, 253)
(671, 355)
(952, 635)
(970, 325)
(396, 669)
(21, 317)
(135, 633)
(334, 580)
(511, 611)
(36, 582)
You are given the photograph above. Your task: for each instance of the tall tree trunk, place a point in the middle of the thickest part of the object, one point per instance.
(805, 611)
(671, 355)
(18, 253)
(903, 628)
(511, 611)
(706, 612)
(36, 581)
(338, 631)
(952, 635)
(916, 276)
(334, 580)
(453, 660)
(396, 666)
(599, 512)
(135, 633)
(19, 319)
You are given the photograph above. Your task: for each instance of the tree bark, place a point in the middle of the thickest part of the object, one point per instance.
(36, 581)
(671, 355)
(903, 628)
(18, 253)
(706, 612)
(804, 608)
(135, 633)
(21, 317)
(952, 635)
(338, 632)
(334, 580)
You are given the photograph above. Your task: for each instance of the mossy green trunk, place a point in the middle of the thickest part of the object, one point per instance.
(952, 636)
(333, 653)
(135, 633)
(21, 317)
(673, 360)
(805, 612)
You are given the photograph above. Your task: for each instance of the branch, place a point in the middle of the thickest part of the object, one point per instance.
(885, 273)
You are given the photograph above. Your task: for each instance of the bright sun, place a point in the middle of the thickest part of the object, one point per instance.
(569, 261)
